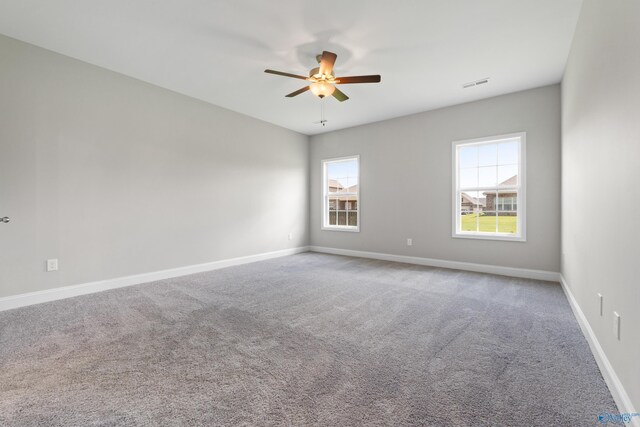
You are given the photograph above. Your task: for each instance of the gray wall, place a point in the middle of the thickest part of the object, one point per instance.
(406, 188)
(601, 178)
(115, 177)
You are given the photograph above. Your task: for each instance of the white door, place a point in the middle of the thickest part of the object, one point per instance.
(19, 267)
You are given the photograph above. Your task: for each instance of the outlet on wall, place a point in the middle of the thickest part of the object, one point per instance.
(290, 236)
(600, 304)
(409, 242)
(52, 265)
(616, 325)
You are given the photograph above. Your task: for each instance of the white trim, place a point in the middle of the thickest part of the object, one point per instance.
(616, 388)
(22, 300)
(348, 229)
(456, 265)
(323, 217)
(488, 236)
(521, 188)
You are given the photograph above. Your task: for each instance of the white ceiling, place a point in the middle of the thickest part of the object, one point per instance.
(216, 51)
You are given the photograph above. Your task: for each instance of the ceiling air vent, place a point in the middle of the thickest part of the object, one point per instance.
(476, 83)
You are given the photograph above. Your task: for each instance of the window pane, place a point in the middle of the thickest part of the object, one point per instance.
(507, 212)
(350, 185)
(332, 218)
(468, 156)
(342, 218)
(487, 155)
(333, 171)
(489, 200)
(333, 203)
(470, 208)
(468, 177)
(341, 169)
(469, 202)
(507, 222)
(334, 186)
(488, 222)
(353, 218)
(487, 176)
(508, 152)
(508, 175)
(468, 221)
(507, 202)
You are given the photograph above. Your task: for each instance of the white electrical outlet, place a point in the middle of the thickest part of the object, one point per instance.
(290, 236)
(409, 242)
(616, 325)
(52, 265)
(600, 304)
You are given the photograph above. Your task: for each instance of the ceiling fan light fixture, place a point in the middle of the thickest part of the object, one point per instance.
(322, 89)
(322, 79)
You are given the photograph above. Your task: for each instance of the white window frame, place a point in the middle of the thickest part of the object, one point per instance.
(521, 236)
(325, 197)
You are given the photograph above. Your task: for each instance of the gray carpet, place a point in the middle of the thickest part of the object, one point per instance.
(309, 339)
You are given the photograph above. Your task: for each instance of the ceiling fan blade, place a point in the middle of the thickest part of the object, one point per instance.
(339, 95)
(358, 79)
(326, 62)
(298, 92)
(280, 73)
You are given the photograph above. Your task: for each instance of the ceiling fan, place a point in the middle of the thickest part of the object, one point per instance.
(323, 80)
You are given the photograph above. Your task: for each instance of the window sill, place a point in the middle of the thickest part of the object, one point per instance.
(342, 228)
(483, 236)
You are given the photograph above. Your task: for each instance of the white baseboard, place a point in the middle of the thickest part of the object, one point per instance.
(22, 300)
(616, 388)
(455, 265)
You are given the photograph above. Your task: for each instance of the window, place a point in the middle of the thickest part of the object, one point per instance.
(489, 188)
(341, 194)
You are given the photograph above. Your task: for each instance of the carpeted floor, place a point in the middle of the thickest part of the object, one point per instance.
(309, 339)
